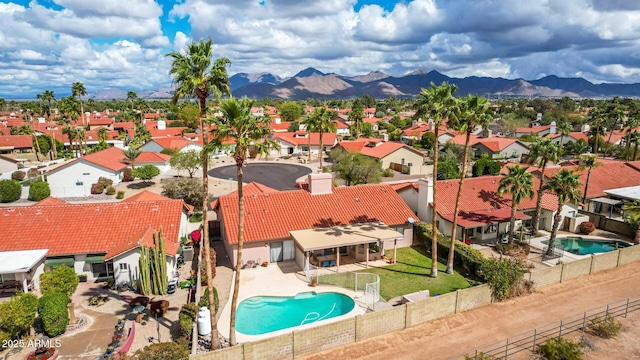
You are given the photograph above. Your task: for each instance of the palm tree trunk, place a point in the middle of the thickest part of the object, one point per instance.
(512, 221)
(536, 216)
(636, 240)
(454, 227)
(586, 187)
(215, 340)
(434, 220)
(236, 285)
(321, 151)
(554, 230)
(309, 145)
(595, 141)
(82, 111)
(628, 145)
(35, 139)
(635, 151)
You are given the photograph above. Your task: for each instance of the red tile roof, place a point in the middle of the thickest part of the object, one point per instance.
(175, 143)
(272, 215)
(610, 175)
(111, 158)
(86, 228)
(17, 141)
(403, 185)
(102, 121)
(152, 157)
(496, 144)
(327, 138)
(168, 132)
(533, 129)
(50, 201)
(480, 218)
(377, 149)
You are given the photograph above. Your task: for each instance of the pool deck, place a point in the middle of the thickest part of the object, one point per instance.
(566, 256)
(280, 279)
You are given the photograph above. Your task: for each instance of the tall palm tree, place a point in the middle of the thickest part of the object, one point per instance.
(564, 128)
(103, 134)
(541, 153)
(27, 130)
(131, 96)
(615, 116)
(632, 210)
(82, 139)
(356, 115)
(72, 134)
(195, 73)
(597, 117)
(438, 103)
(78, 90)
(131, 154)
(519, 183)
(565, 185)
(589, 161)
(632, 122)
(320, 121)
(473, 113)
(48, 96)
(239, 124)
(635, 138)
(3, 103)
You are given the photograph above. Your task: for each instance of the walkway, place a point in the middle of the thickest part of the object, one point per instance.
(455, 334)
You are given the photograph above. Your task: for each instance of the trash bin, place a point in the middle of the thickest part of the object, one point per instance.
(187, 253)
(171, 288)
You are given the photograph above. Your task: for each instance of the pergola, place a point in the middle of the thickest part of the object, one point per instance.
(344, 235)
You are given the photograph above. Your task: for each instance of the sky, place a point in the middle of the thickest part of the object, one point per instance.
(49, 44)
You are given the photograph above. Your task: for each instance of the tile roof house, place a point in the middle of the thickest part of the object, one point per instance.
(159, 144)
(273, 218)
(394, 155)
(497, 147)
(7, 166)
(16, 143)
(300, 141)
(81, 235)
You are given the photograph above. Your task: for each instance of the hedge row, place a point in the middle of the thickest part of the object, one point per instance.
(53, 312)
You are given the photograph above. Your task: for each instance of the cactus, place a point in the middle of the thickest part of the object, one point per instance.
(159, 264)
(145, 271)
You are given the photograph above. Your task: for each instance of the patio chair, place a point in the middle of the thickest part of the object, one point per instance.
(325, 264)
(255, 264)
(332, 263)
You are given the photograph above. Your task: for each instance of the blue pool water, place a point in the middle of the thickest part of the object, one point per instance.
(579, 246)
(264, 314)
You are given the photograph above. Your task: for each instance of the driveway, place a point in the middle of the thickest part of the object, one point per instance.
(279, 176)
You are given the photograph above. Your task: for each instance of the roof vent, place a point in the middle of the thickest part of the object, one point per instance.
(155, 208)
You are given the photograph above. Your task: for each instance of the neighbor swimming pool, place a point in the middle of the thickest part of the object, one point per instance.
(579, 246)
(263, 314)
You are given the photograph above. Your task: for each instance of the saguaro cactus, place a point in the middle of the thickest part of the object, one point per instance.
(159, 264)
(145, 271)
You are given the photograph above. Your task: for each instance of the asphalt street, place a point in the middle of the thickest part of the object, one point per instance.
(279, 176)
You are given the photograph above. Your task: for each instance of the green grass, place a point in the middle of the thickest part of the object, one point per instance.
(409, 274)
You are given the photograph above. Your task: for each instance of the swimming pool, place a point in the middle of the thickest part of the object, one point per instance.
(579, 246)
(263, 314)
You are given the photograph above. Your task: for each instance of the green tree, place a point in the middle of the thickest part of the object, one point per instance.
(632, 215)
(131, 97)
(54, 315)
(62, 279)
(146, 172)
(163, 351)
(189, 114)
(131, 154)
(239, 124)
(356, 115)
(48, 97)
(290, 111)
(597, 117)
(18, 314)
(438, 103)
(10, 191)
(188, 190)
(519, 183)
(589, 162)
(356, 169)
(39, 190)
(78, 90)
(632, 122)
(187, 160)
(565, 185)
(541, 153)
(473, 113)
(101, 145)
(194, 73)
(103, 134)
(564, 128)
(427, 140)
(320, 121)
(72, 134)
(448, 170)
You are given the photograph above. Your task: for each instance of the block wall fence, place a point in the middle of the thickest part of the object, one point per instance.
(305, 342)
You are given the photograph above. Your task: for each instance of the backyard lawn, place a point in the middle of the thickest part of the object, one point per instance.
(411, 273)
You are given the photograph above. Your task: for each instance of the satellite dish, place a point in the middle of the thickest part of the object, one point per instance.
(411, 220)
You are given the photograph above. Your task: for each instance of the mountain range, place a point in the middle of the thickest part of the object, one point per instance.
(312, 83)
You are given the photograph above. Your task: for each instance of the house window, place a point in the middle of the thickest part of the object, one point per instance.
(123, 266)
(470, 232)
(86, 174)
(490, 229)
(79, 183)
(400, 229)
(402, 161)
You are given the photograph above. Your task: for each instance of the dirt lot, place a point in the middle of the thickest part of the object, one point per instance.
(456, 334)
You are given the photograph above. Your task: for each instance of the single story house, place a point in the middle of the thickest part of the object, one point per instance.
(7, 166)
(154, 158)
(497, 147)
(301, 142)
(16, 144)
(394, 155)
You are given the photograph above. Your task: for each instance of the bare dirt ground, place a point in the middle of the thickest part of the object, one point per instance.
(456, 334)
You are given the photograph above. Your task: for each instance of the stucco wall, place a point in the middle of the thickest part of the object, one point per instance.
(76, 179)
(409, 156)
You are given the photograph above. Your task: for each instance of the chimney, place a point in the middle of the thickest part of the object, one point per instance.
(425, 196)
(552, 128)
(384, 137)
(277, 120)
(320, 183)
(585, 128)
(162, 125)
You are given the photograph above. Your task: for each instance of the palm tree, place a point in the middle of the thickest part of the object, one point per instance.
(615, 116)
(82, 139)
(597, 116)
(72, 134)
(632, 122)
(77, 89)
(632, 211)
(589, 161)
(438, 103)
(27, 130)
(3, 103)
(103, 134)
(320, 121)
(542, 152)
(519, 183)
(131, 96)
(564, 128)
(356, 115)
(472, 114)
(564, 184)
(239, 124)
(131, 154)
(195, 74)
(48, 96)
(635, 138)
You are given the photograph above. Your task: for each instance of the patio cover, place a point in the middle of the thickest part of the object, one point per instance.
(469, 219)
(12, 262)
(606, 200)
(344, 235)
(94, 259)
(68, 261)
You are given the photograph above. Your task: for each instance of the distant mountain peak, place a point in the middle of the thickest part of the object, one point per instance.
(420, 71)
(371, 76)
(309, 72)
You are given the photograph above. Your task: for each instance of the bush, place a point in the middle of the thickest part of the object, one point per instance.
(448, 169)
(146, 172)
(388, 172)
(163, 351)
(127, 176)
(204, 299)
(32, 173)
(18, 314)
(10, 191)
(502, 276)
(120, 194)
(111, 190)
(4, 337)
(187, 315)
(586, 228)
(606, 327)
(97, 188)
(53, 312)
(39, 190)
(203, 269)
(480, 356)
(560, 349)
(104, 181)
(18, 175)
(61, 279)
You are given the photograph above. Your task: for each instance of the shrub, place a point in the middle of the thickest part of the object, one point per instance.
(53, 312)
(502, 276)
(203, 269)
(480, 356)
(586, 228)
(204, 299)
(18, 314)
(4, 337)
(127, 175)
(18, 175)
(163, 351)
(560, 349)
(32, 173)
(97, 188)
(61, 279)
(39, 190)
(111, 190)
(120, 194)
(146, 172)
(10, 191)
(187, 315)
(388, 172)
(104, 181)
(605, 327)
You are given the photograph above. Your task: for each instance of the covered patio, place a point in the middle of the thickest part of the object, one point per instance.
(324, 247)
(484, 226)
(19, 270)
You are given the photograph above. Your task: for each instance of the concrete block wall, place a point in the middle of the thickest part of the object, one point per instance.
(629, 255)
(438, 306)
(380, 322)
(279, 347)
(548, 276)
(576, 268)
(231, 353)
(313, 340)
(604, 261)
(473, 297)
